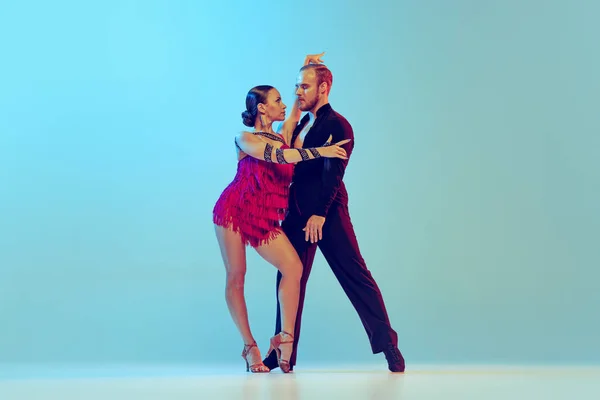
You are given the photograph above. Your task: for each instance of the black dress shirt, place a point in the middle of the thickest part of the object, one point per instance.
(317, 184)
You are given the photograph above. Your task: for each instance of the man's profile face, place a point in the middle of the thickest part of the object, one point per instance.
(307, 90)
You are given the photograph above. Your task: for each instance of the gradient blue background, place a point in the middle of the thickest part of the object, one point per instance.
(474, 184)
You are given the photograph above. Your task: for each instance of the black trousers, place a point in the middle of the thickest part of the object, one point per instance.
(340, 249)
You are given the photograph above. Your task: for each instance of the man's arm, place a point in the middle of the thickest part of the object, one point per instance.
(333, 171)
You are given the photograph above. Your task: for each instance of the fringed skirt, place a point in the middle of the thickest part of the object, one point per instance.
(255, 203)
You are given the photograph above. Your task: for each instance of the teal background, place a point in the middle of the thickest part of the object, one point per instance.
(474, 184)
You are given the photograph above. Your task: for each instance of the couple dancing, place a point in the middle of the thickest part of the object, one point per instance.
(295, 176)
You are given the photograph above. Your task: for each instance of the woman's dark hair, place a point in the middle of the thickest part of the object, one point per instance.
(255, 96)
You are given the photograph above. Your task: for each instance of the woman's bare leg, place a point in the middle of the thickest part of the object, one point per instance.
(281, 254)
(233, 252)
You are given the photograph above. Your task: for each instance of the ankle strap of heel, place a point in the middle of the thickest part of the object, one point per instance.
(281, 335)
(248, 347)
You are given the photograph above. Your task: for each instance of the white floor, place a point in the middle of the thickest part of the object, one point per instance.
(339, 382)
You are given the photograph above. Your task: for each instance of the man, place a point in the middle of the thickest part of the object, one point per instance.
(318, 216)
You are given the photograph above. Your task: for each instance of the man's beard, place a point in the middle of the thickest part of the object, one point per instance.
(309, 106)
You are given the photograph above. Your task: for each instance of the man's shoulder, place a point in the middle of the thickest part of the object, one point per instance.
(337, 120)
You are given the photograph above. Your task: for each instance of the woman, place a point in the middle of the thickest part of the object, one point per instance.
(250, 209)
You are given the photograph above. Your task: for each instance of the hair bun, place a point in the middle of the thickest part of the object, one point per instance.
(247, 118)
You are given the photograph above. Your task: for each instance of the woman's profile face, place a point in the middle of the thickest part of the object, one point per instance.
(274, 109)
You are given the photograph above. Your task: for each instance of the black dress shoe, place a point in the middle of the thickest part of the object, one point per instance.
(271, 361)
(394, 358)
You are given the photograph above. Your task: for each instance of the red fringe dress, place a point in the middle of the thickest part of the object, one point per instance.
(256, 201)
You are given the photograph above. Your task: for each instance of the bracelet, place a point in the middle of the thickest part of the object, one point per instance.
(303, 154)
(268, 153)
(280, 157)
(314, 152)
